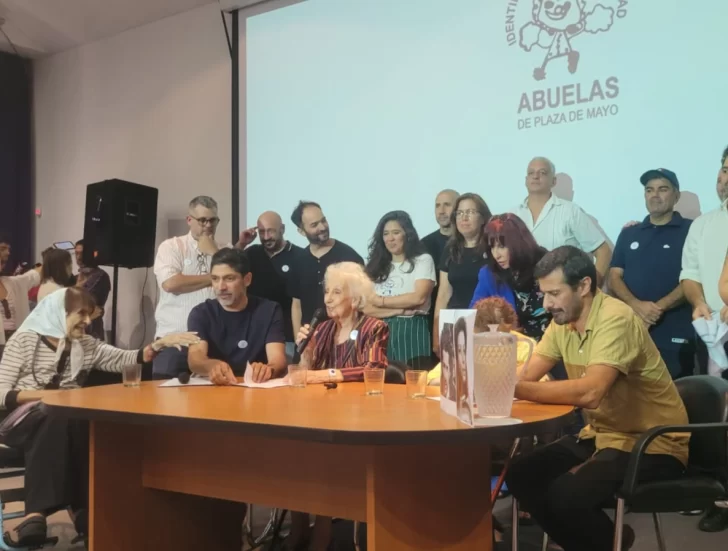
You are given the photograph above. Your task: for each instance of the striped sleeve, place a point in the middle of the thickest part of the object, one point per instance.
(373, 350)
(112, 359)
(14, 359)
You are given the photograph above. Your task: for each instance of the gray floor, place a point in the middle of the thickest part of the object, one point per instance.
(681, 532)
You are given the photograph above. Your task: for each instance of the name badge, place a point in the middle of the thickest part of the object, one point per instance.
(354, 334)
(679, 341)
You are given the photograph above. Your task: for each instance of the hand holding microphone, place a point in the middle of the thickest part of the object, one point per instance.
(306, 331)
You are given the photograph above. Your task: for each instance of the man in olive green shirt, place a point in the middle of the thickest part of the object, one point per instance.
(617, 377)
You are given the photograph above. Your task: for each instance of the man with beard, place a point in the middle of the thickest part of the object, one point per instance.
(272, 263)
(645, 272)
(436, 241)
(236, 329)
(182, 269)
(307, 287)
(617, 377)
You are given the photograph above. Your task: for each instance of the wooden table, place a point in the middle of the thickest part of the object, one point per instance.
(171, 467)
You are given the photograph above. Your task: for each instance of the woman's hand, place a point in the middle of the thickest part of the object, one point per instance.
(303, 333)
(176, 340)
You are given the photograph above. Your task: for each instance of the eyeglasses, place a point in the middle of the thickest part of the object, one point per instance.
(465, 213)
(202, 264)
(202, 221)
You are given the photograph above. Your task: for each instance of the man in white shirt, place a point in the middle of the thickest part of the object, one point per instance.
(555, 222)
(705, 251)
(702, 262)
(182, 269)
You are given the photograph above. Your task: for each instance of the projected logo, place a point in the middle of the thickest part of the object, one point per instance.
(556, 23)
(551, 34)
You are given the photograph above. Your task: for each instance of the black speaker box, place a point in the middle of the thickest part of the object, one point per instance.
(120, 226)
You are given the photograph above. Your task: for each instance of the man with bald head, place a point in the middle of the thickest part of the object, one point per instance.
(271, 264)
(436, 241)
(555, 222)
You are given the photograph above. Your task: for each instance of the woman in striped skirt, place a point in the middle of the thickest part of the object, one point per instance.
(403, 275)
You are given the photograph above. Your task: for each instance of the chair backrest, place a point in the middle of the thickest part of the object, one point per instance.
(395, 373)
(706, 401)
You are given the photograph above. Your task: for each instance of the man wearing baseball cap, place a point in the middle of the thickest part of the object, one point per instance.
(645, 272)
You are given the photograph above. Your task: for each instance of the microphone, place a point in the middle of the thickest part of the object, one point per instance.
(318, 317)
(184, 377)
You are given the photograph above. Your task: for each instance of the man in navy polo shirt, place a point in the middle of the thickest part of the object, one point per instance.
(645, 272)
(236, 328)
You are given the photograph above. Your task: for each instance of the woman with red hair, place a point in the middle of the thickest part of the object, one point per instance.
(512, 254)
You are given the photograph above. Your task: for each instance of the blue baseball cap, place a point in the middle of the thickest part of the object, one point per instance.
(668, 175)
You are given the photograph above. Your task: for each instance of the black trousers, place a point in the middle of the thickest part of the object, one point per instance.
(56, 453)
(568, 506)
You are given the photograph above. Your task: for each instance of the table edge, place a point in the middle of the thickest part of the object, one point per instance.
(324, 435)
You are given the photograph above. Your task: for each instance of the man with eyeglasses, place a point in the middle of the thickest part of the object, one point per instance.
(555, 222)
(182, 269)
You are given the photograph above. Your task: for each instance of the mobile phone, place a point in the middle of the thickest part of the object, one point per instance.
(65, 245)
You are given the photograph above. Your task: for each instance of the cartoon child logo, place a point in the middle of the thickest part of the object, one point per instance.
(555, 23)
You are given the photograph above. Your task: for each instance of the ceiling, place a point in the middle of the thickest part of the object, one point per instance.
(39, 28)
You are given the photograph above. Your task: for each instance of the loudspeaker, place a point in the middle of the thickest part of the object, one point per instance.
(120, 226)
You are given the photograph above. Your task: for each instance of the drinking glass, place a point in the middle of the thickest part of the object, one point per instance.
(297, 375)
(373, 382)
(131, 375)
(416, 383)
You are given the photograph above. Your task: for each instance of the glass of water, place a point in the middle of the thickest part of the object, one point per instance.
(131, 375)
(373, 382)
(416, 383)
(297, 375)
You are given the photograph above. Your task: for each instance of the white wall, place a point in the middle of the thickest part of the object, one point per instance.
(152, 106)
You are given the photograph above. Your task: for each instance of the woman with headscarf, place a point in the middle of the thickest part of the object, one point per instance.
(51, 352)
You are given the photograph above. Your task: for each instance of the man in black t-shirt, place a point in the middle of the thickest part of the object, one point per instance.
(306, 284)
(272, 263)
(236, 329)
(436, 241)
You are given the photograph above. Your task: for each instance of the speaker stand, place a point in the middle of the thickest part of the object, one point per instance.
(114, 297)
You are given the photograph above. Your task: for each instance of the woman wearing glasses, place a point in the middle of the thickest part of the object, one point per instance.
(463, 257)
(51, 352)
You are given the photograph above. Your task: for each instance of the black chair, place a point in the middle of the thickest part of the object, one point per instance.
(395, 373)
(706, 477)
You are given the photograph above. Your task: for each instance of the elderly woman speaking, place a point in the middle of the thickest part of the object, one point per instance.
(349, 342)
(51, 352)
(340, 350)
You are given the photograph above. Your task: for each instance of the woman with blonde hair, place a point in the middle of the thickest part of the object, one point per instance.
(341, 349)
(349, 342)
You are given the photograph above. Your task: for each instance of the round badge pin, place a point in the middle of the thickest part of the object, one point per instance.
(243, 344)
(634, 246)
(285, 268)
(354, 334)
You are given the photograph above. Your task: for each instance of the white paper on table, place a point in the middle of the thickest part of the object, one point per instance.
(272, 383)
(194, 381)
